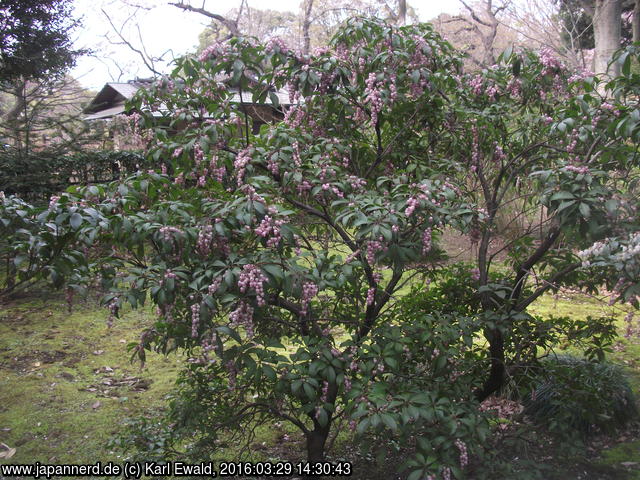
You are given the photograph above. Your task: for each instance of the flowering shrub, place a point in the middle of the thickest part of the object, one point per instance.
(278, 260)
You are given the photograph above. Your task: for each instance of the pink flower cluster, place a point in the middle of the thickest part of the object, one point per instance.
(252, 278)
(195, 319)
(240, 164)
(373, 97)
(53, 202)
(412, 204)
(213, 288)
(205, 237)
(371, 295)
(270, 228)
(464, 454)
(549, 61)
(168, 232)
(426, 241)
(581, 170)
(243, 316)
(309, 291)
(276, 44)
(373, 247)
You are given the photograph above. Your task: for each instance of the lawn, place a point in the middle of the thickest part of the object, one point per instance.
(67, 387)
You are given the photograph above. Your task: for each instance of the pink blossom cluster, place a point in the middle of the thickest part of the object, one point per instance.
(351, 256)
(419, 56)
(216, 50)
(464, 454)
(498, 154)
(168, 232)
(371, 295)
(475, 148)
(216, 170)
(347, 384)
(581, 170)
(309, 291)
(514, 87)
(578, 76)
(297, 161)
(294, 117)
(373, 97)
(215, 284)
(412, 204)
(475, 274)
(373, 247)
(168, 275)
(251, 194)
(325, 391)
(251, 277)
(242, 160)
(195, 319)
(205, 237)
(549, 61)
(426, 241)
(378, 367)
(277, 44)
(270, 228)
(53, 202)
(477, 84)
(198, 153)
(356, 183)
(243, 316)
(610, 108)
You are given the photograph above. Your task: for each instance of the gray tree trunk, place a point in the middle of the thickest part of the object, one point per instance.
(402, 13)
(636, 21)
(306, 27)
(607, 32)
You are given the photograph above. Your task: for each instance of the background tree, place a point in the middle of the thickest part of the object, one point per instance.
(35, 39)
(478, 31)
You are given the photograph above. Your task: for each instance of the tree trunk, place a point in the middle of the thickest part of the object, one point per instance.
(402, 13)
(317, 438)
(316, 441)
(306, 26)
(495, 381)
(636, 22)
(607, 33)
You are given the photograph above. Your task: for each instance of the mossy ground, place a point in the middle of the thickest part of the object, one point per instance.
(67, 385)
(66, 381)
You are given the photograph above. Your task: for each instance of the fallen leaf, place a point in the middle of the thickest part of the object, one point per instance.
(96, 405)
(8, 451)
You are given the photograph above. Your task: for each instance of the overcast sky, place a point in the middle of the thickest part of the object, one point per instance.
(164, 28)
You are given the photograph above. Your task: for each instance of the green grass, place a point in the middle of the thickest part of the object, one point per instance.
(50, 361)
(56, 404)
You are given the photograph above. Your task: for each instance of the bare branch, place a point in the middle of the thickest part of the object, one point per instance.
(148, 61)
(231, 25)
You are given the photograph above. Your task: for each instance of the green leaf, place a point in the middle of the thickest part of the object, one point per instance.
(322, 417)
(309, 391)
(389, 421)
(416, 475)
(585, 210)
(229, 331)
(75, 220)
